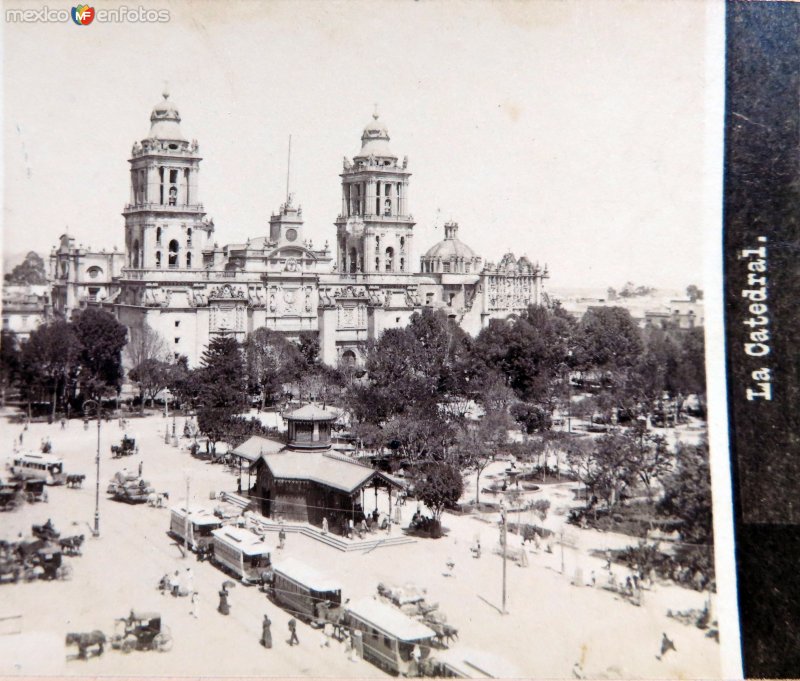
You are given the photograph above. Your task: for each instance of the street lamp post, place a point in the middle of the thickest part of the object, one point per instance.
(166, 416)
(96, 531)
(504, 540)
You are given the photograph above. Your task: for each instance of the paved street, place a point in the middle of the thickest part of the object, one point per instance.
(551, 624)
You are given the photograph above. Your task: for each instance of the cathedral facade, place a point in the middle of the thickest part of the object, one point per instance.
(173, 277)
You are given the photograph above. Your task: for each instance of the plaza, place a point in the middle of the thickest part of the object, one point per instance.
(551, 625)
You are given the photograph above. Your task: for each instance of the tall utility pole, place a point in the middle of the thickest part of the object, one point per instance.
(96, 531)
(504, 541)
(186, 522)
(166, 416)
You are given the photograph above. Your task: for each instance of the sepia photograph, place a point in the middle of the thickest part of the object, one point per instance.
(364, 339)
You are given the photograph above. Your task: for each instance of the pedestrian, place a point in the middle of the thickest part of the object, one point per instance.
(266, 632)
(224, 607)
(195, 605)
(608, 560)
(176, 584)
(239, 486)
(20, 437)
(293, 632)
(666, 645)
(189, 581)
(325, 525)
(363, 526)
(281, 538)
(140, 469)
(63, 423)
(350, 528)
(523, 555)
(594, 579)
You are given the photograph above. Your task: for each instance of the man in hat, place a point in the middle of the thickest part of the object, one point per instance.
(293, 632)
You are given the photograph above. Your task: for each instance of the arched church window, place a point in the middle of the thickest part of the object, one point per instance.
(349, 358)
(353, 259)
(158, 235)
(402, 244)
(387, 207)
(402, 264)
(158, 259)
(173, 253)
(173, 196)
(189, 236)
(377, 244)
(377, 264)
(135, 254)
(188, 260)
(445, 267)
(390, 259)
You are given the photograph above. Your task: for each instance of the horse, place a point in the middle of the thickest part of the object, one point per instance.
(75, 479)
(72, 545)
(156, 499)
(85, 640)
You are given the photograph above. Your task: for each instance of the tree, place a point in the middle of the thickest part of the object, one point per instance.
(308, 345)
(528, 352)
(694, 293)
(419, 436)
(477, 444)
(102, 339)
(222, 388)
(146, 353)
(184, 383)
(438, 485)
(271, 361)
(608, 339)
(650, 459)
(611, 469)
(50, 360)
(9, 362)
(29, 272)
(687, 494)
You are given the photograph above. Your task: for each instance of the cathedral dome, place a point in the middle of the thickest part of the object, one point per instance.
(165, 121)
(375, 140)
(450, 246)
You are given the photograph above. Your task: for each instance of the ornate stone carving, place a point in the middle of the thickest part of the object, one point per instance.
(226, 291)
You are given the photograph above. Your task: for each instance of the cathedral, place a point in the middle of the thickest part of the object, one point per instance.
(173, 277)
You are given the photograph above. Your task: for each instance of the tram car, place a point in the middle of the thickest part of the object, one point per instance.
(45, 467)
(306, 593)
(391, 639)
(198, 522)
(241, 552)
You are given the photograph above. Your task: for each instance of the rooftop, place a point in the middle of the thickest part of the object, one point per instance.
(390, 620)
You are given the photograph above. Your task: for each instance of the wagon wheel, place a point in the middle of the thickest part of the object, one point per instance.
(128, 644)
(64, 572)
(162, 642)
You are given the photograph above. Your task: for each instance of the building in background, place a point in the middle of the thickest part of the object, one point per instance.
(25, 308)
(173, 277)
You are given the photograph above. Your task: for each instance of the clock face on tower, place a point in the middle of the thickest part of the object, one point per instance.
(291, 234)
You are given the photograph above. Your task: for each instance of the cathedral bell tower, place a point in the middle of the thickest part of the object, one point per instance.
(374, 229)
(164, 221)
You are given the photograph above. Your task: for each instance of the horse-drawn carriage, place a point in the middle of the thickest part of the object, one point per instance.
(141, 631)
(138, 631)
(34, 490)
(126, 447)
(10, 496)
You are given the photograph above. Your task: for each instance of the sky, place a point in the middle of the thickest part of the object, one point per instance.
(572, 132)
